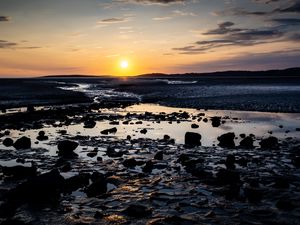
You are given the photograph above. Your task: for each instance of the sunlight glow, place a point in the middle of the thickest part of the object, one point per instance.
(124, 64)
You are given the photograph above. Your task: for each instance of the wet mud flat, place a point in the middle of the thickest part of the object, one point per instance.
(104, 165)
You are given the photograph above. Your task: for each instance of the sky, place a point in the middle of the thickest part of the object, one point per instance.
(52, 37)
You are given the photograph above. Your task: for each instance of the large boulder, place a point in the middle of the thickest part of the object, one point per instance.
(227, 140)
(66, 148)
(98, 187)
(137, 211)
(192, 139)
(22, 143)
(269, 143)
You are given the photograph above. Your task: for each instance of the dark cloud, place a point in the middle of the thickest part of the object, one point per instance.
(286, 21)
(293, 8)
(228, 36)
(223, 28)
(7, 44)
(158, 1)
(113, 20)
(4, 18)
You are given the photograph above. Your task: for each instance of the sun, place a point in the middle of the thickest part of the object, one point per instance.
(124, 64)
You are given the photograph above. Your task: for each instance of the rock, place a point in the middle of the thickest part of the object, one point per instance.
(281, 183)
(8, 142)
(89, 124)
(42, 136)
(114, 123)
(111, 152)
(247, 143)
(98, 187)
(159, 155)
(76, 182)
(66, 148)
(285, 204)
(243, 135)
(143, 131)
(215, 121)
(22, 143)
(19, 172)
(166, 137)
(230, 160)
(254, 195)
(44, 189)
(14, 222)
(109, 131)
(192, 139)
(130, 162)
(194, 126)
(30, 108)
(137, 211)
(92, 154)
(205, 120)
(296, 161)
(98, 215)
(148, 167)
(269, 143)
(227, 140)
(227, 177)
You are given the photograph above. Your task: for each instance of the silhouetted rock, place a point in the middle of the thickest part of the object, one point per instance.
(19, 171)
(194, 126)
(143, 131)
(41, 136)
(22, 143)
(109, 131)
(230, 160)
(98, 187)
(76, 182)
(166, 137)
(130, 162)
(285, 204)
(254, 195)
(269, 143)
(66, 148)
(227, 140)
(247, 143)
(215, 121)
(30, 108)
(89, 124)
(159, 155)
(192, 139)
(148, 167)
(227, 177)
(137, 211)
(111, 152)
(8, 142)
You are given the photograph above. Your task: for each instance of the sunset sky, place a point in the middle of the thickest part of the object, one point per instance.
(42, 37)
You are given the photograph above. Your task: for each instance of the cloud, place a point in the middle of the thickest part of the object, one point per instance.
(7, 44)
(162, 18)
(161, 2)
(227, 35)
(5, 18)
(113, 20)
(286, 21)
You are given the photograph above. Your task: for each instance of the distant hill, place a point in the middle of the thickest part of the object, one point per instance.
(290, 72)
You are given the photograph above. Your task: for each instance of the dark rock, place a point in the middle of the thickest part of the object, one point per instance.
(137, 211)
(281, 183)
(285, 204)
(98, 187)
(42, 189)
(66, 167)
(148, 167)
(242, 135)
(254, 195)
(143, 131)
(227, 140)
(215, 121)
(66, 148)
(269, 143)
(159, 155)
(230, 160)
(227, 177)
(205, 120)
(30, 108)
(130, 162)
(89, 124)
(194, 126)
(166, 137)
(92, 154)
(111, 152)
(109, 131)
(192, 139)
(22, 143)
(76, 182)
(247, 143)
(98, 215)
(114, 123)
(42, 136)
(296, 161)
(14, 222)
(19, 172)
(8, 142)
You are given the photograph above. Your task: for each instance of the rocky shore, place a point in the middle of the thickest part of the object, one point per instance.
(55, 177)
